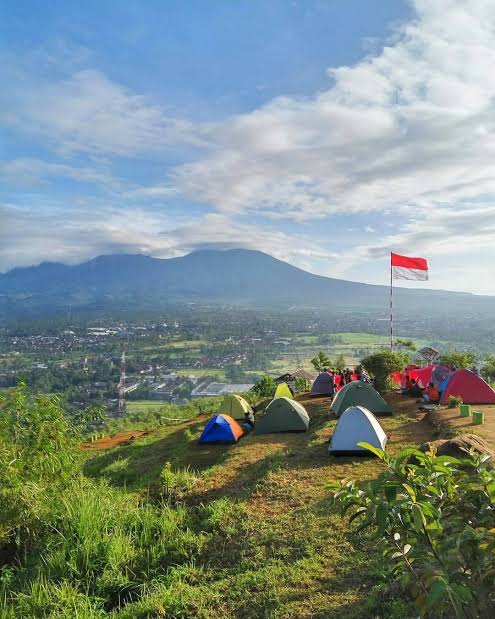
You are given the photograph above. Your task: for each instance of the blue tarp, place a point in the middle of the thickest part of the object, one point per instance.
(443, 385)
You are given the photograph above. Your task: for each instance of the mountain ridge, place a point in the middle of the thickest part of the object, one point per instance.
(234, 276)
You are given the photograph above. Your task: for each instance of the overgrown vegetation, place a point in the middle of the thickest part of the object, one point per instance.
(458, 359)
(381, 364)
(434, 518)
(248, 542)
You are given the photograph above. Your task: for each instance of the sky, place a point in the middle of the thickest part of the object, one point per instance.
(323, 132)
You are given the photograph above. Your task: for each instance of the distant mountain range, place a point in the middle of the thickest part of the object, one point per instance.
(234, 277)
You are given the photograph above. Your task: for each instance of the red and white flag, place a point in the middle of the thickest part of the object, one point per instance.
(404, 267)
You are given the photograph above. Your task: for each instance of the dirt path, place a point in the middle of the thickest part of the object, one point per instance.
(109, 442)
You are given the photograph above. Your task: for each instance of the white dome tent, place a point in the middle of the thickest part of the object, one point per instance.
(356, 425)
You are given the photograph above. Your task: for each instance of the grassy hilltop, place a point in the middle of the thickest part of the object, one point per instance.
(163, 527)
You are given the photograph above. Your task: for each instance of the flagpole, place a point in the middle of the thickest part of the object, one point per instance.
(391, 307)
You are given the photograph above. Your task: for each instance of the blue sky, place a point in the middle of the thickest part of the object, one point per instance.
(326, 133)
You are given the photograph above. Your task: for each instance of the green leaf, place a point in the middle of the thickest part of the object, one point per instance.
(418, 518)
(490, 488)
(410, 491)
(436, 592)
(447, 460)
(381, 516)
(407, 548)
(391, 492)
(378, 452)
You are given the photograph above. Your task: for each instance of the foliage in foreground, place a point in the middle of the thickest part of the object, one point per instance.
(79, 548)
(435, 518)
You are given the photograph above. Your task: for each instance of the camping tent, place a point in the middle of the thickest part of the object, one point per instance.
(283, 391)
(234, 406)
(323, 385)
(356, 425)
(283, 415)
(470, 387)
(221, 429)
(359, 393)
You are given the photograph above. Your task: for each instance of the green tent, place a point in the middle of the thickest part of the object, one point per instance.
(359, 393)
(283, 391)
(234, 406)
(283, 415)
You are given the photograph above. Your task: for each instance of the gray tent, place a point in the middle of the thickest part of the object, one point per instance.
(283, 415)
(359, 393)
(323, 385)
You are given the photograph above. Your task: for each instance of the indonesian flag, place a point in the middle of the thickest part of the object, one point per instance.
(404, 267)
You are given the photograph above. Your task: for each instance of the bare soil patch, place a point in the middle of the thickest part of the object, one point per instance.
(450, 419)
(109, 442)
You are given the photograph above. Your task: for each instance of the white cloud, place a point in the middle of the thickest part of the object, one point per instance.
(86, 232)
(28, 171)
(411, 128)
(89, 113)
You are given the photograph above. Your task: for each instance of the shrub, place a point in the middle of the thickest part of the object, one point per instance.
(38, 462)
(434, 517)
(454, 401)
(302, 385)
(457, 358)
(265, 387)
(381, 364)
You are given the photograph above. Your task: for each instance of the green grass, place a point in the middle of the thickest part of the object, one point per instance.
(167, 528)
(134, 406)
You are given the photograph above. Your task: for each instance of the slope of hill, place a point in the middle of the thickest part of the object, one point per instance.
(237, 277)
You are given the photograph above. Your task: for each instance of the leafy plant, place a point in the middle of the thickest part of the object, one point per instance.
(381, 365)
(321, 362)
(434, 518)
(176, 484)
(454, 401)
(488, 369)
(458, 359)
(265, 387)
(405, 345)
(38, 461)
(302, 384)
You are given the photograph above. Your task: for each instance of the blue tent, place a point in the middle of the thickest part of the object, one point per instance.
(221, 429)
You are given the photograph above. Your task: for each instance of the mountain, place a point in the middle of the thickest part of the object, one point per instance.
(236, 277)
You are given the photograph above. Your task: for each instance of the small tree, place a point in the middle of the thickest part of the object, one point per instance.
(457, 358)
(265, 387)
(405, 345)
(380, 366)
(302, 384)
(488, 369)
(321, 362)
(340, 364)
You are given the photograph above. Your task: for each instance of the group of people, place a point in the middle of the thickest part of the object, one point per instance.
(339, 379)
(432, 392)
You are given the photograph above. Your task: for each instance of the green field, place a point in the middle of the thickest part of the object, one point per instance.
(216, 372)
(134, 406)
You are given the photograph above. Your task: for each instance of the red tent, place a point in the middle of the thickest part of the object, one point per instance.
(470, 387)
(423, 375)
